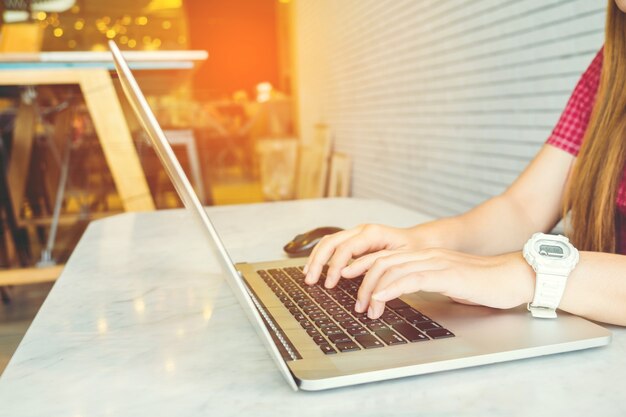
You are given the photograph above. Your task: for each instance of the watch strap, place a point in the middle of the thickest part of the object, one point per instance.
(549, 290)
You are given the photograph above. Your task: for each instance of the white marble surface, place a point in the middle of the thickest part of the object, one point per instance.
(142, 324)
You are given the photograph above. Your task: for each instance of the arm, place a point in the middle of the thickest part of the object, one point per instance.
(401, 261)
(501, 224)
(505, 222)
(596, 288)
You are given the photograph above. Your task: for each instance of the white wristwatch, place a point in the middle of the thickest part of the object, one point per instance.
(553, 258)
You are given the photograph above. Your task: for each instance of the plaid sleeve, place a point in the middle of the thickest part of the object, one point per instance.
(570, 129)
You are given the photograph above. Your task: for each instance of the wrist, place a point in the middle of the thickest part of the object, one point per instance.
(527, 278)
(522, 275)
(434, 234)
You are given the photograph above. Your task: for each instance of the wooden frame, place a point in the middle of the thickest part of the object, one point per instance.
(113, 134)
(340, 175)
(312, 172)
(109, 122)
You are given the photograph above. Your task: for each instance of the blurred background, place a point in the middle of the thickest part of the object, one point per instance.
(435, 105)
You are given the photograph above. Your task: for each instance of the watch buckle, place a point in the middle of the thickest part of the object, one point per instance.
(541, 312)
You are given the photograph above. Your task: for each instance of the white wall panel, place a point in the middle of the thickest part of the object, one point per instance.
(441, 103)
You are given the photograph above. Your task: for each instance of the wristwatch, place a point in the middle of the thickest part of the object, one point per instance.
(553, 258)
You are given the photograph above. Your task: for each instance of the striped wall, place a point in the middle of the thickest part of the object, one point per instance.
(441, 103)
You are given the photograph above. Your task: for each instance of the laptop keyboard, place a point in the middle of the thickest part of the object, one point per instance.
(328, 315)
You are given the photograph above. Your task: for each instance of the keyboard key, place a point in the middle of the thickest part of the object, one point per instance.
(439, 333)
(327, 349)
(419, 318)
(347, 346)
(427, 325)
(306, 324)
(368, 341)
(389, 337)
(349, 324)
(352, 291)
(410, 333)
(331, 330)
(342, 317)
(358, 331)
(312, 331)
(376, 326)
(335, 310)
(316, 315)
(396, 304)
(319, 339)
(367, 320)
(339, 337)
(407, 312)
(391, 319)
(310, 310)
(326, 323)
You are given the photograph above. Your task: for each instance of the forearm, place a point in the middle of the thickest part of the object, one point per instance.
(502, 224)
(498, 225)
(596, 288)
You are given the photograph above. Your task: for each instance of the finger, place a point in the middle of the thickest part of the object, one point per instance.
(393, 267)
(404, 285)
(392, 274)
(380, 262)
(363, 264)
(430, 281)
(368, 240)
(407, 284)
(351, 248)
(323, 251)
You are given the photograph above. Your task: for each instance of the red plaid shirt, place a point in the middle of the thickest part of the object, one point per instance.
(569, 132)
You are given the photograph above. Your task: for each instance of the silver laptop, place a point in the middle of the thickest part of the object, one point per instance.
(317, 339)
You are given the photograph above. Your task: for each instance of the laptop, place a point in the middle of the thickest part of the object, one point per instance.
(317, 339)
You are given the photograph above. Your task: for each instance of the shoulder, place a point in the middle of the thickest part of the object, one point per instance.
(570, 130)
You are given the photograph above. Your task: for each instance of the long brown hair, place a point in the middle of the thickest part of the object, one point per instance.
(592, 191)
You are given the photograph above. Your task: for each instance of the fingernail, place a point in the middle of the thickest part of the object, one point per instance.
(357, 306)
(370, 312)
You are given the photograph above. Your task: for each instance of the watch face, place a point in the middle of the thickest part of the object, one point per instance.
(552, 249)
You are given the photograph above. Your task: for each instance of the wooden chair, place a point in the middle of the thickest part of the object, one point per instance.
(340, 175)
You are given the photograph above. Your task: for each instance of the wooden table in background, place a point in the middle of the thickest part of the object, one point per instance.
(91, 71)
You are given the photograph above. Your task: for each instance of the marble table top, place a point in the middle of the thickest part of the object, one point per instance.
(141, 323)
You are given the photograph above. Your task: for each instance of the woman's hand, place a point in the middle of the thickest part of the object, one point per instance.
(503, 281)
(338, 249)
